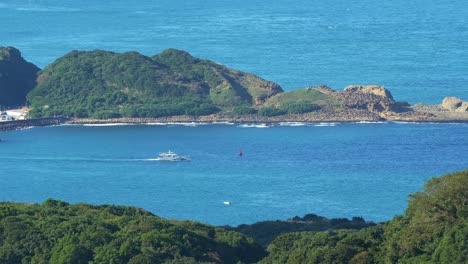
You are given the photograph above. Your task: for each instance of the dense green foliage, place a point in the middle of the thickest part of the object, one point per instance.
(244, 110)
(17, 77)
(433, 230)
(341, 246)
(434, 226)
(266, 231)
(271, 111)
(56, 232)
(104, 84)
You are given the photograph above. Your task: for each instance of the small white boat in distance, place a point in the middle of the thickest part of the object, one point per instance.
(171, 156)
(227, 202)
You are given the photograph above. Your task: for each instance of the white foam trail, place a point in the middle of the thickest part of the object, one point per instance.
(46, 9)
(154, 124)
(325, 124)
(74, 159)
(254, 126)
(292, 124)
(371, 122)
(223, 123)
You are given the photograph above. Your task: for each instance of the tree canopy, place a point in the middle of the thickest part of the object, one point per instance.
(433, 230)
(104, 84)
(57, 232)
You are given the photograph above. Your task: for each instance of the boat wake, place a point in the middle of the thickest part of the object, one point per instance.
(75, 159)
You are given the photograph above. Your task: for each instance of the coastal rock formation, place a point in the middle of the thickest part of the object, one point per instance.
(463, 107)
(451, 103)
(374, 98)
(370, 89)
(17, 77)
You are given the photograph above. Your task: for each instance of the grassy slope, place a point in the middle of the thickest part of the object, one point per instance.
(306, 95)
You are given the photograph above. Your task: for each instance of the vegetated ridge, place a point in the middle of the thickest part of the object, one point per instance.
(433, 229)
(104, 84)
(57, 232)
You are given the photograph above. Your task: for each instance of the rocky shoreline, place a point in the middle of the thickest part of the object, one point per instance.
(324, 117)
(317, 117)
(22, 124)
(370, 103)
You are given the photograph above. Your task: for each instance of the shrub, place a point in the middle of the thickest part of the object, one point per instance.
(299, 107)
(271, 111)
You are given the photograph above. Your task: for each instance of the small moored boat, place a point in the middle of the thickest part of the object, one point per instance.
(171, 156)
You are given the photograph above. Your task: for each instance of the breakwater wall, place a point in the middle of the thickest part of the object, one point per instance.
(19, 124)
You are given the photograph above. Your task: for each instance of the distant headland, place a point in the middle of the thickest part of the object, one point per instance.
(102, 86)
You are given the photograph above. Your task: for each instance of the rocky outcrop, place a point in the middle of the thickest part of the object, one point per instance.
(463, 107)
(17, 77)
(454, 104)
(370, 89)
(374, 98)
(451, 103)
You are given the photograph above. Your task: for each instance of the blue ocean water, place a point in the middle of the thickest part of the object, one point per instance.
(335, 170)
(416, 48)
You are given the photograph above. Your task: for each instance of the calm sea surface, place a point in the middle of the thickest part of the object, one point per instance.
(337, 171)
(417, 49)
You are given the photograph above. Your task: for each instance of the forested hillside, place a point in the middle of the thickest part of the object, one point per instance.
(57, 232)
(104, 84)
(433, 229)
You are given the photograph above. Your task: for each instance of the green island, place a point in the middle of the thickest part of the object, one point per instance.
(104, 86)
(433, 229)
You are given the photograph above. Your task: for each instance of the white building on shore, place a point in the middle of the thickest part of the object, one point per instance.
(14, 114)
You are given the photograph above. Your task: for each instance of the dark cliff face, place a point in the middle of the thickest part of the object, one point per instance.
(17, 77)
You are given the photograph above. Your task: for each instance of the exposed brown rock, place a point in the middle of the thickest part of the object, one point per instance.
(370, 89)
(463, 107)
(451, 103)
(374, 98)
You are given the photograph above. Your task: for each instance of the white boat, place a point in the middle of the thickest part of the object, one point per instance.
(171, 156)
